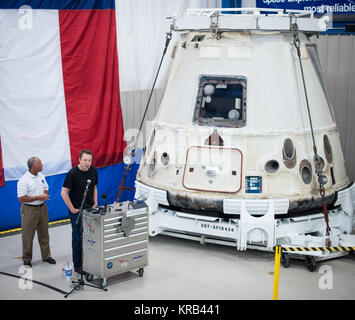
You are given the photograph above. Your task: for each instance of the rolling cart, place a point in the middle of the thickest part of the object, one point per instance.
(115, 240)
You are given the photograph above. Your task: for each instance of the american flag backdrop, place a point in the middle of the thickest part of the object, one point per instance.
(59, 93)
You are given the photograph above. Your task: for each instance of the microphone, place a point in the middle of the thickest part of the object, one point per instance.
(88, 181)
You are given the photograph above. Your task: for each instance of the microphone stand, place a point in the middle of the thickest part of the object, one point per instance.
(80, 213)
(104, 197)
(79, 284)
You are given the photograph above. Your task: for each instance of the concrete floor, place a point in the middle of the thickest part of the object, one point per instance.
(179, 269)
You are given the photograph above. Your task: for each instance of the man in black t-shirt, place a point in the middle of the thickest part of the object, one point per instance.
(75, 183)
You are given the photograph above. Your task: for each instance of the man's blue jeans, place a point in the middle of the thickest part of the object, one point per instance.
(77, 241)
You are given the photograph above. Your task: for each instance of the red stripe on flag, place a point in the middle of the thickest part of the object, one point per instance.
(2, 178)
(91, 85)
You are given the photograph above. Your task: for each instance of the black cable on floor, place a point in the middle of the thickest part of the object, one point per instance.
(34, 281)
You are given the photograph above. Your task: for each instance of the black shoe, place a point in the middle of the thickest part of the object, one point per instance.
(50, 260)
(27, 263)
(81, 272)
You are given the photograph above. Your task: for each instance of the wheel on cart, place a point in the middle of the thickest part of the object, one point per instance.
(140, 272)
(103, 282)
(310, 264)
(89, 277)
(285, 260)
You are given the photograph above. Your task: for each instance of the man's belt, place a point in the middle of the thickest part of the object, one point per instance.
(34, 205)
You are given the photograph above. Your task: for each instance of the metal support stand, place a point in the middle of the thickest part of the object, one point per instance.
(79, 285)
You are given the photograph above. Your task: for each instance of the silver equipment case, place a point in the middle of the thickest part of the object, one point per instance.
(115, 240)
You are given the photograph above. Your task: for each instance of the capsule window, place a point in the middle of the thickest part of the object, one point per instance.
(306, 171)
(289, 153)
(327, 149)
(198, 38)
(272, 166)
(164, 159)
(221, 102)
(321, 162)
(289, 150)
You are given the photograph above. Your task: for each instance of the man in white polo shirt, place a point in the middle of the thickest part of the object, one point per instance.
(32, 192)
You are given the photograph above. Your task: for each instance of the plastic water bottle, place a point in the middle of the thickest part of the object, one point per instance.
(68, 271)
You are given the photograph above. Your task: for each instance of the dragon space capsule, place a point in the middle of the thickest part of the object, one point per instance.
(244, 149)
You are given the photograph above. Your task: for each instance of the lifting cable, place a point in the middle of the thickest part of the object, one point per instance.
(133, 150)
(322, 179)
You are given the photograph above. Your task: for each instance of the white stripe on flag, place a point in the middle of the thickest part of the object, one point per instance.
(32, 104)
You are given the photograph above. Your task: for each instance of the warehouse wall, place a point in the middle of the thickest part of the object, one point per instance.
(336, 54)
(133, 106)
(144, 47)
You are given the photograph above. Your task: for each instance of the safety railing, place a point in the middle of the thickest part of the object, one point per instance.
(279, 250)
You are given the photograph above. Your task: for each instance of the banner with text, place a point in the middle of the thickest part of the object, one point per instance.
(317, 6)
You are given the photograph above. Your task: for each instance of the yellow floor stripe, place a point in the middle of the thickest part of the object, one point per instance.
(19, 229)
(60, 221)
(9, 231)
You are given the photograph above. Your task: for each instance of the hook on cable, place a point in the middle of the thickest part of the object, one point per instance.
(296, 39)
